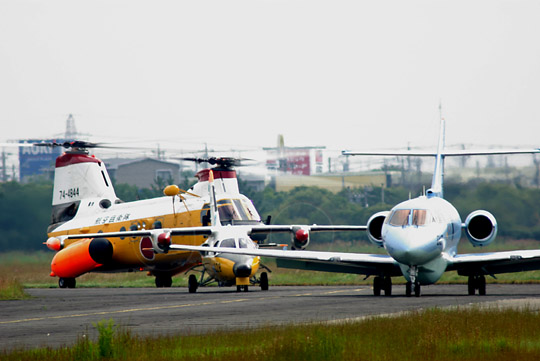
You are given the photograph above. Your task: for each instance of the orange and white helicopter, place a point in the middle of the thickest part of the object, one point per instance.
(93, 231)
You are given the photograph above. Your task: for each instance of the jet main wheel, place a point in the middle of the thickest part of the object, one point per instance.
(163, 281)
(477, 283)
(377, 285)
(193, 284)
(382, 284)
(66, 282)
(387, 286)
(264, 281)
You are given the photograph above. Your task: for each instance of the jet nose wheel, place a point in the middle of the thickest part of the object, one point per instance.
(411, 288)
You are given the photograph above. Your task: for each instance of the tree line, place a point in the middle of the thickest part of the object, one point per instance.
(25, 208)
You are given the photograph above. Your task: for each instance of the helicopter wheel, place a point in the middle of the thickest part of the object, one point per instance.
(66, 282)
(163, 281)
(193, 284)
(264, 281)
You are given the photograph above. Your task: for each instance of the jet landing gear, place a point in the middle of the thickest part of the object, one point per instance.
(413, 286)
(475, 283)
(382, 284)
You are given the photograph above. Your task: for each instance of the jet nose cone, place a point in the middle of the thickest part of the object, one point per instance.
(242, 270)
(411, 255)
(414, 248)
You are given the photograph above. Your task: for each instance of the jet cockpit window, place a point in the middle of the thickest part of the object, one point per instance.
(400, 217)
(421, 217)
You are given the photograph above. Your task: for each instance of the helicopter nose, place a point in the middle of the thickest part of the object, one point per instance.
(242, 270)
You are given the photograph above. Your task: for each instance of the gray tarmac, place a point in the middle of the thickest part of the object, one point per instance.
(57, 317)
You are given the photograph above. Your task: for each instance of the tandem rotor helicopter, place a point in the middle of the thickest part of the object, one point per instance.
(93, 231)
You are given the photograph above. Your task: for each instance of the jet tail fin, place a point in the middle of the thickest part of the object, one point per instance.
(437, 181)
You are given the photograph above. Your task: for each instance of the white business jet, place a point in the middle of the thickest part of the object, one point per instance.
(420, 235)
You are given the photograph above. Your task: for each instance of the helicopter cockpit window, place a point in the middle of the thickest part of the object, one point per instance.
(237, 211)
(227, 211)
(228, 243)
(400, 217)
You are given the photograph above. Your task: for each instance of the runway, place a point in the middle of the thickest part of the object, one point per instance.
(56, 317)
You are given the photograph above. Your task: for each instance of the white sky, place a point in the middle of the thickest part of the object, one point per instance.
(343, 74)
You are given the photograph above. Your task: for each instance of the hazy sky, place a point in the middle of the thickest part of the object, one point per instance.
(344, 74)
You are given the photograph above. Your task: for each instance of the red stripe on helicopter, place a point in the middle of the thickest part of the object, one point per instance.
(204, 174)
(70, 159)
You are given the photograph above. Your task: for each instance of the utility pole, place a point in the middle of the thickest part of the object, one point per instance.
(4, 175)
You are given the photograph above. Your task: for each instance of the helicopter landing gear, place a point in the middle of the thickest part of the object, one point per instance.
(163, 281)
(264, 281)
(66, 282)
(193, 284)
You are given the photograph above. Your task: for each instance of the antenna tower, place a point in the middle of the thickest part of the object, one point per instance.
(71, 131)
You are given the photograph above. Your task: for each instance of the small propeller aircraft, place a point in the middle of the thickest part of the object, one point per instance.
(420, 235)
(93, 231)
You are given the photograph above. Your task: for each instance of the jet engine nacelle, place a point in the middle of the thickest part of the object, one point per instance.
(374, 228)
(299, 238)
(481, 228)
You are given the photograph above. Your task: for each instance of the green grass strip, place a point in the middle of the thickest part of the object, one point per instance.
(462, 334)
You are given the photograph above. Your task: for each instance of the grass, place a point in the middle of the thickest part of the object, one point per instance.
(435, 334)
(11, 289)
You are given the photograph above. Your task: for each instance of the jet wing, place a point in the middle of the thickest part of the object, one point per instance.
(495, 262)
(208, 230)
(187, 231)
(267, 229)
(448, 152)
(357, 263)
